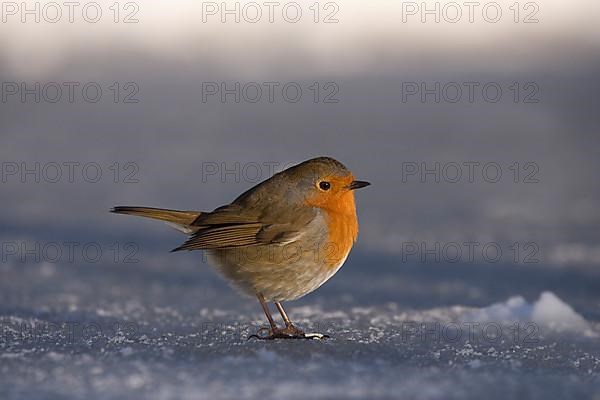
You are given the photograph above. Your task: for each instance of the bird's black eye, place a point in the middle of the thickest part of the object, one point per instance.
(324, 185)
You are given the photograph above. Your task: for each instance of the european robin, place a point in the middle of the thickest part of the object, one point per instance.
(281, 239)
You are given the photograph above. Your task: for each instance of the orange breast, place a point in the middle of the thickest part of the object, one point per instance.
(342, 226)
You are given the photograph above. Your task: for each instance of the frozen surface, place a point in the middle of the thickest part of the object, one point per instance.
(145, 331)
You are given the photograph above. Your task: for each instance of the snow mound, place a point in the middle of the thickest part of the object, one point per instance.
(548, 311)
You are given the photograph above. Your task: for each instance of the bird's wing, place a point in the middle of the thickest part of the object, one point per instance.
(235, 226)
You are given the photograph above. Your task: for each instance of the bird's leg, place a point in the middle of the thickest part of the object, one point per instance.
(265, 308)
(289, 327)
(289, 332)
(294, 332)
(265, 333)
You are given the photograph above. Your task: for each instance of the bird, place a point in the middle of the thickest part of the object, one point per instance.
(278, 241)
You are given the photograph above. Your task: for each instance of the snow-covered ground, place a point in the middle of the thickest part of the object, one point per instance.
(145, 331)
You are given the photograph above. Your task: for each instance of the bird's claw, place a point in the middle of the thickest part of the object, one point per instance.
(289, 332)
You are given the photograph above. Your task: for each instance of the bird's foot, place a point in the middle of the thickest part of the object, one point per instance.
(289, 332)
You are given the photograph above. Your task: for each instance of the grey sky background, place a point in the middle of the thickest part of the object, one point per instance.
(172, 136)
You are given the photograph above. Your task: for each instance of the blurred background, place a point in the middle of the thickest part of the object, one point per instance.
(392, 89)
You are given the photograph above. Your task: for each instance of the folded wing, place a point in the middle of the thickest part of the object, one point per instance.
(235, 226)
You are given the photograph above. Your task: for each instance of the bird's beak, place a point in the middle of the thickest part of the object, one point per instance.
(357, 185)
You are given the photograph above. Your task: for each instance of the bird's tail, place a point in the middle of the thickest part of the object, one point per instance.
(180, 220)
